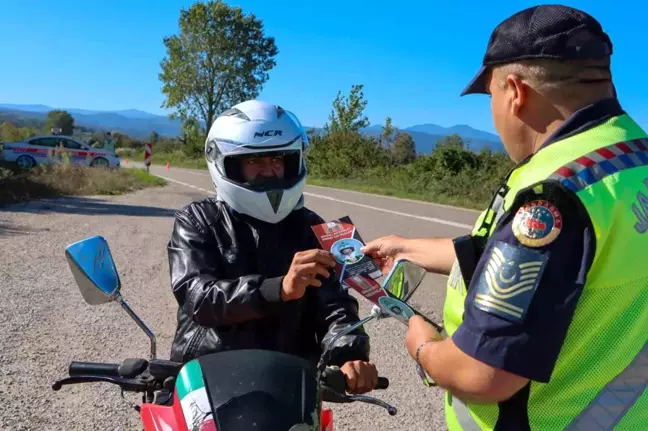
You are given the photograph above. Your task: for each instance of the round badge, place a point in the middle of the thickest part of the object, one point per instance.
(537, 223)
(347, 250)
(395, 308)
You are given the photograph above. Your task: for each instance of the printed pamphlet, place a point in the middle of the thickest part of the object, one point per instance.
(353, 268)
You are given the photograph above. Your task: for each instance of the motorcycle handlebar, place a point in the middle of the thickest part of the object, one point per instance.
(93, 369)
(383, 383)
(112, 370)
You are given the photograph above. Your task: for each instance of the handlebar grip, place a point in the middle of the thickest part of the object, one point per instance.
(383, 383)
(93, 369)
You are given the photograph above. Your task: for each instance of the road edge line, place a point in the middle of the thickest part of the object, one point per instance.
(424, 218)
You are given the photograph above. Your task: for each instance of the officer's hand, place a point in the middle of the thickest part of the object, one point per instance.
(418, 332)
(306, 265)
(361, 377)
(385, 250)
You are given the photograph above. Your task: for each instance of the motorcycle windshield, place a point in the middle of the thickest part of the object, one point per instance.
(260, 390)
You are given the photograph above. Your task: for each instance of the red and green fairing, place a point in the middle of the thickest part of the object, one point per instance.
(192, 394)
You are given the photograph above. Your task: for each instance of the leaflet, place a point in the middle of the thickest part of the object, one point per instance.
(353, 268)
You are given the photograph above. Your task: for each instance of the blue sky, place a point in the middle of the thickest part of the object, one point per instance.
(414, 58)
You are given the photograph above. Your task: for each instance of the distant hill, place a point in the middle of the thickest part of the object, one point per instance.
(461, 130)
(426, 136)
(139, 124)
(135, 123)
(426, 141)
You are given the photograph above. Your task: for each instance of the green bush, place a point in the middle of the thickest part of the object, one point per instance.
(451, 174)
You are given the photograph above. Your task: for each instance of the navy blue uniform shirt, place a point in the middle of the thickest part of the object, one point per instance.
(521, 298)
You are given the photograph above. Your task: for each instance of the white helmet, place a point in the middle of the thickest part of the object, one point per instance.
(257, 128)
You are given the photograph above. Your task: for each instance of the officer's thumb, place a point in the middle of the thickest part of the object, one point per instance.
(372, 248)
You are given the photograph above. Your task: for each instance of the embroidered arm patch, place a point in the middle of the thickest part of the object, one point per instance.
(508, 281)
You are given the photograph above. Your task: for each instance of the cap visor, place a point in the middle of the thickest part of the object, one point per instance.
(478, 84)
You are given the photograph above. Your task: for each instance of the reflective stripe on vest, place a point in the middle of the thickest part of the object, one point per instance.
(463, 416)
(616, 398)
(594, 166)
(460, 409)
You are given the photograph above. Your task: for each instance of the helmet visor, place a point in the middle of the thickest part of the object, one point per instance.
(250, 170)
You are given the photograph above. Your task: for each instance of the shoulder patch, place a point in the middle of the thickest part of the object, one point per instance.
(537, 223)
(508, 281)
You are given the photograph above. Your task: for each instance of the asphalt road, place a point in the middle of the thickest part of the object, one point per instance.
(45, 324)
(375, 216)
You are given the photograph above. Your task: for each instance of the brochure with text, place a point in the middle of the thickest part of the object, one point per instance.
(353, 268)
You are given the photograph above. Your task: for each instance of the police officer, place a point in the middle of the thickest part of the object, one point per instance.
(546, 311)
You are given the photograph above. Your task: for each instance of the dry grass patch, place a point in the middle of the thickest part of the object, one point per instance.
(61, 179)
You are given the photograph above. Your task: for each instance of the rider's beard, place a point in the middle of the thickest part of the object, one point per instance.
(267, 182)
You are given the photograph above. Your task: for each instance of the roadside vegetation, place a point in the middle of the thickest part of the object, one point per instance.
(222, 56)
(342, 157)
(64, 179)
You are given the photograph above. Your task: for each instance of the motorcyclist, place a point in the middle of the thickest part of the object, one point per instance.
(246, 268)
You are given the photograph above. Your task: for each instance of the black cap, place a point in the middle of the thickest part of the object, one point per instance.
(547, 31)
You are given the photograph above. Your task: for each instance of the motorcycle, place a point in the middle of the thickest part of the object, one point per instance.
(228, 390)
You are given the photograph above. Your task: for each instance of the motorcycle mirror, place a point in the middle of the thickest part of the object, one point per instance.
(400, 284)
(96, 276)
(403, 279)
(94, 270)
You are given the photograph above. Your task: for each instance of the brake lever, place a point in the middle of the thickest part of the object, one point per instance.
(333, 396)
(375, 401)
(125, 384)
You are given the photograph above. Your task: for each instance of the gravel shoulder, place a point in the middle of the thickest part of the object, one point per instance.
(45, 324)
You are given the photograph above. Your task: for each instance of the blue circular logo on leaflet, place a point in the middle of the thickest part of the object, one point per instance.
(396, 308)
(347, 251)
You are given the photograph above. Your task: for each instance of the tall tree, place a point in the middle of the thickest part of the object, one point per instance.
(387, 132)
(9, 132)
(404, 149)
(192, 138)
(453, 140)
(348, 112)
(220, 57)
(61, 120)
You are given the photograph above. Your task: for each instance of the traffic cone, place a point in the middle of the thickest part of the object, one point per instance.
(168, 166)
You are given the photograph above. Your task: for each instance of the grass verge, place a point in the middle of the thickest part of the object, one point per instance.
(60, 179)
(177, 160)
(381, 184)
(361, 185)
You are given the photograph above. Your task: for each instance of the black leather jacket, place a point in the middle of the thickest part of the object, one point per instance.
(226, 274)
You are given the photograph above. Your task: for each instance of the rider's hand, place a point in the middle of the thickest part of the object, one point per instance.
(419, 331)
(385, 250)
(360, 376)
(306, 265)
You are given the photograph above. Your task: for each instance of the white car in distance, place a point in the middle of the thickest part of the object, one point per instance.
(46, 149)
